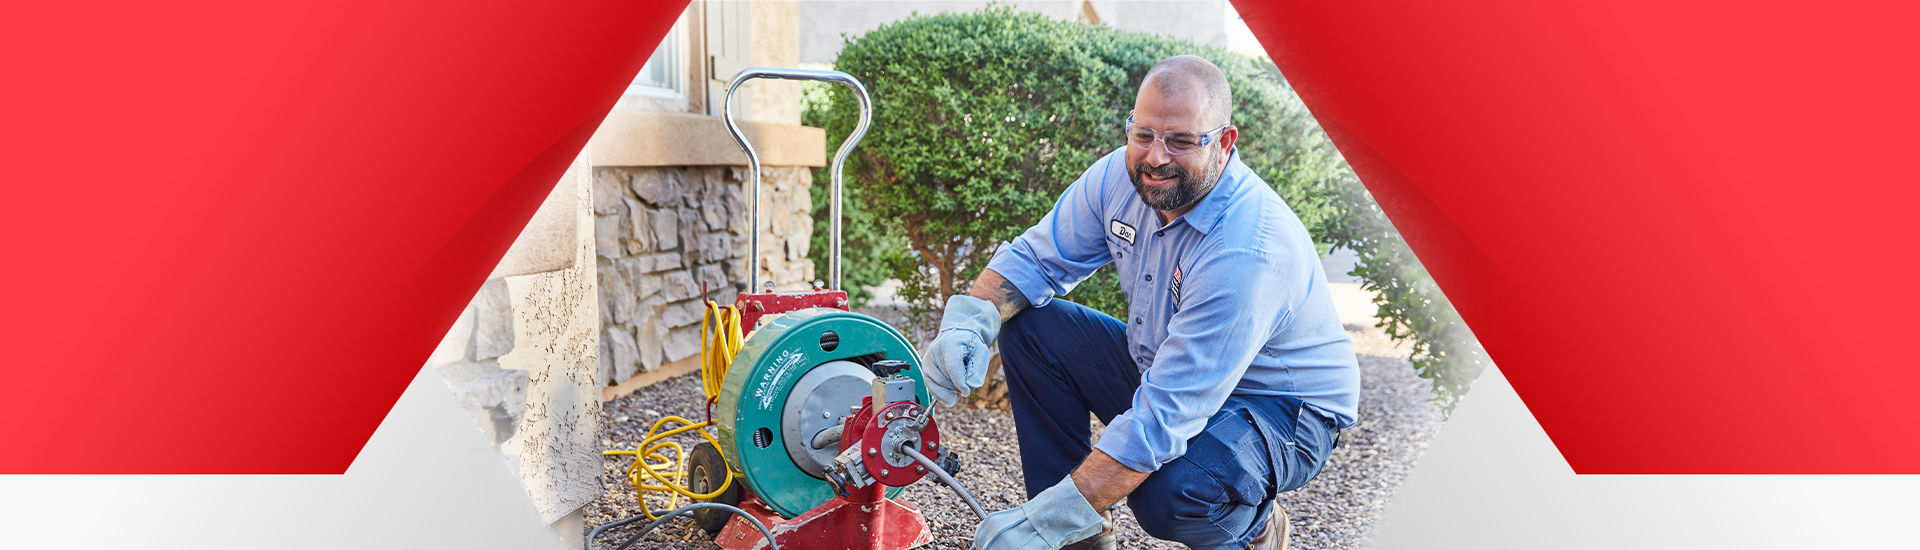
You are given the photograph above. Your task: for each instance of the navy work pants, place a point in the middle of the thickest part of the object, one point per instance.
(1065, 360)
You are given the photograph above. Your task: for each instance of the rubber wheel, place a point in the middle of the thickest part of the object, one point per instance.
(706, 469)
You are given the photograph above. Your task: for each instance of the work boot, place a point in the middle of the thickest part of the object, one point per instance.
(1106, 539)
(1273, 536)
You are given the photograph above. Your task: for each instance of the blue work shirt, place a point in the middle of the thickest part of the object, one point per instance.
(1227, 299)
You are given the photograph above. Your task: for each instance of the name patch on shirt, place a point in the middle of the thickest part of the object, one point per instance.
(1121, 230)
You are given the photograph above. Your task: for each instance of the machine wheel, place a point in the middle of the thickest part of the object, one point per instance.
(706, 469)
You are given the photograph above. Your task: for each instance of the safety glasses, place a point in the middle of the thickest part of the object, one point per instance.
(1178, 143)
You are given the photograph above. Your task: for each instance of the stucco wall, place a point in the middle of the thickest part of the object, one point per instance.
(776, 39)
(522, 358)
(823, 22)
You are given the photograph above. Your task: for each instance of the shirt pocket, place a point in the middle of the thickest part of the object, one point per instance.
(1119, 249)
(1123, 261)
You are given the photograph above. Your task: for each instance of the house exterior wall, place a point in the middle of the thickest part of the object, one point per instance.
(661, 232)
(823, 22)
(776, 40)
(670, 204)
(604, 282)
(522, 357)
(1203, 21)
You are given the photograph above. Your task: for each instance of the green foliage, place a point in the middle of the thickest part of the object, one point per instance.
(1411, 307)
(982, 119)
(871, 255)
(979, 121)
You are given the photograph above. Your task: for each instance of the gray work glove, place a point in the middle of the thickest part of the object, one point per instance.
(1054, 518)
(957, 362)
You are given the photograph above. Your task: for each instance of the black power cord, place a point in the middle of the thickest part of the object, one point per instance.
(677, 512)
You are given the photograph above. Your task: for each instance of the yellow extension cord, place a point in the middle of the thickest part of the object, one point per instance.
(652, 469)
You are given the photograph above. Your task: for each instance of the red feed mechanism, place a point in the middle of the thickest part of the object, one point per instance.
(858, 517)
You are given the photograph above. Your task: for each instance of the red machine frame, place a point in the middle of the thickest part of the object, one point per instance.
(857, 518)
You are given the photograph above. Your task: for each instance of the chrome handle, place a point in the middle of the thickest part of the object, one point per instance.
(839, 159)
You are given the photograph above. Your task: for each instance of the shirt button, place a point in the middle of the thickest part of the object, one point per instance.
(1137, 321)
(1160, 233)
(1119, 254)
(1149, 277)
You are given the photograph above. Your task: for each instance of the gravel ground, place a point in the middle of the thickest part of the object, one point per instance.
(1335, 510)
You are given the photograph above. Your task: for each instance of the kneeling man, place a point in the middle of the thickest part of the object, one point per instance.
(1228, 380)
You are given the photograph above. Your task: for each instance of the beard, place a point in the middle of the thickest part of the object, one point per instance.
(1186, 187)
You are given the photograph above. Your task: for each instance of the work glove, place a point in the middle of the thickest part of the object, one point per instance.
(957, 363)
(1054, 518)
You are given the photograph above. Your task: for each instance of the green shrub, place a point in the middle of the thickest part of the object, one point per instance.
(1410, 304)
(871, 254)
(1411, 308)
(982, 119)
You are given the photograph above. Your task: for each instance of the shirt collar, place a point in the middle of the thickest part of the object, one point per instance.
(1206, 215)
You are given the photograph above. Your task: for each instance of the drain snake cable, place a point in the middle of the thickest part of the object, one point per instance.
(677, 512)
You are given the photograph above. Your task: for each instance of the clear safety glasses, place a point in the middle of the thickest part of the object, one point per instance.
(1178, 143)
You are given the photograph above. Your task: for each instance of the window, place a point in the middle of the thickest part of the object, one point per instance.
(662, 84)
(664, 74)
(688, 72)
(729, 43)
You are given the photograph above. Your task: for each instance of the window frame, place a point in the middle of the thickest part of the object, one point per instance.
(685, 45)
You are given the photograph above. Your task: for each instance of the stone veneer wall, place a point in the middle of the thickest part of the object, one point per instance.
(659, 232)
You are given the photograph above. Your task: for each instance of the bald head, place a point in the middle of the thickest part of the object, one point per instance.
(1183, 99)
(1191, 76)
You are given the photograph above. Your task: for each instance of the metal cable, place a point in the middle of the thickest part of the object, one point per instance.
(907, 448)
(677, 512)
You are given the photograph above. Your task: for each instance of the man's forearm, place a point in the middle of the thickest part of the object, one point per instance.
(1104, 481)
(992, 287)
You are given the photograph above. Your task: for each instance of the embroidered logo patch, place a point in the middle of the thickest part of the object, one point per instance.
(1121, 230)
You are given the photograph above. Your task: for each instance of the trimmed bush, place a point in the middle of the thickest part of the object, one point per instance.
(982, 119)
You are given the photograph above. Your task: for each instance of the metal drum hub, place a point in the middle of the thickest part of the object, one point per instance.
(794, 378)
(819, 402)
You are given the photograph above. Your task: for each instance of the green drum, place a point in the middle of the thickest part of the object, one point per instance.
(796, 377)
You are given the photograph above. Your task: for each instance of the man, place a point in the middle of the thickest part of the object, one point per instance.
(1227, 384)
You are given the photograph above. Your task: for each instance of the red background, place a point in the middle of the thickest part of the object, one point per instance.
(235, 230)
(1681, 229)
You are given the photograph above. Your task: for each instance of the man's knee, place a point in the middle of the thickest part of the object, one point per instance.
(1211, 495)
(1154, 505)
(1183, 504)
(1035, 335)
(1033, 322)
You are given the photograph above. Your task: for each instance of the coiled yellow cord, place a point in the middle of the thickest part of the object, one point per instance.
(653, 470)
(722, 333)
